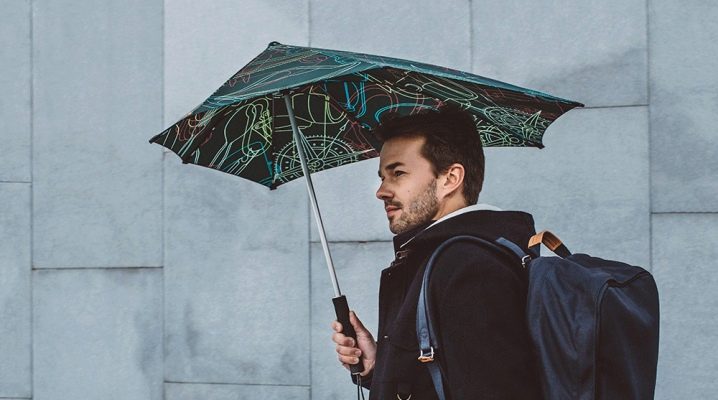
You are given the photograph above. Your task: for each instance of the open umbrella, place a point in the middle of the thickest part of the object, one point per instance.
(296, 110)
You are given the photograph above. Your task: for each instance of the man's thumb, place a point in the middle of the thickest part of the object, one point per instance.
(356, 323)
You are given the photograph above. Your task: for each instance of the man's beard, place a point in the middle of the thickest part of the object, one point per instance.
(420, 211)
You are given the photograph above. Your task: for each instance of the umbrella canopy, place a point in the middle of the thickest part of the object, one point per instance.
(338, 98)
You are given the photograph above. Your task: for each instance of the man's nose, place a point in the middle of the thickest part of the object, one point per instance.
(382, 193)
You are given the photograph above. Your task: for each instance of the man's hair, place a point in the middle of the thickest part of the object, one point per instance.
(451, 137)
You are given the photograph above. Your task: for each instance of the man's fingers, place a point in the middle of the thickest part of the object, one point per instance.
(342, 340)
(348, 360)
(348, 351)
(337, 326)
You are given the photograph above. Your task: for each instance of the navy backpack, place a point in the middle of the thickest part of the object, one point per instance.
(593, 322)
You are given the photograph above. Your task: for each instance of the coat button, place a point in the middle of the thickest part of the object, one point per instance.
(386, 337)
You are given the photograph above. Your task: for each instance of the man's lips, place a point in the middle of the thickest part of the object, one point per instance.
(391, 210)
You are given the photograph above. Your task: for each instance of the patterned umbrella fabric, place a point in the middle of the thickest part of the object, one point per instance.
(338, 98)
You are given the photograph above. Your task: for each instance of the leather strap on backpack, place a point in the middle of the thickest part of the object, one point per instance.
(551, 241)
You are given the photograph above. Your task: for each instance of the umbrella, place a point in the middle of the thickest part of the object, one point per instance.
(296, 110)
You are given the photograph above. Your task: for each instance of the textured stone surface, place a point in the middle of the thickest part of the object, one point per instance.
(15, 104)
(177, 391)
(358, 268)
(684, 255)
(97, 100)
(237, 279)
(684, 104)
(207, 42)
(588, 51)
(423, 30)
(97, 334)
(589, 185)
(15, 291)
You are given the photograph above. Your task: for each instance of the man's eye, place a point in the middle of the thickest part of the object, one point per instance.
(398, 173)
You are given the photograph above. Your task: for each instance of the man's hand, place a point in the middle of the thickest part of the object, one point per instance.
(350, 352)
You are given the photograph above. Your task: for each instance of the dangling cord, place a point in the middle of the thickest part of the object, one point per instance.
(360, 389)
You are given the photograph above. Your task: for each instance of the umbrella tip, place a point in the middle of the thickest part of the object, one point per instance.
(273, 43)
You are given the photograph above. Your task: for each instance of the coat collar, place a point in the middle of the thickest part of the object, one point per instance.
(481, 220)
(417, 231)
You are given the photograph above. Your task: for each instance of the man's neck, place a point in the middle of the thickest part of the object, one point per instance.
(449, 206)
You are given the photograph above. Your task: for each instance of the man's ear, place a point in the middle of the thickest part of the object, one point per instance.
(453, 180)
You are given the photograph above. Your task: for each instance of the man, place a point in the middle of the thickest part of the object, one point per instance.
(432, 170)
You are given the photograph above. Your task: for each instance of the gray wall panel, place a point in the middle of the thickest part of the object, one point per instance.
(176, 391)
(207, 42)
(97, 334)
(358, 267)
(237, 272)
(684, 254)
(588, 51)
(684, 104)
(589, 185)
(15, 90)
(423, 30)
(97, 100)
(15, 290)
(348, 203)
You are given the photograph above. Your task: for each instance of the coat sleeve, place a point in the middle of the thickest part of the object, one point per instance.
(479, 302)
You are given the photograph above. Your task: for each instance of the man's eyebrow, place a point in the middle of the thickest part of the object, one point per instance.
(391, 166)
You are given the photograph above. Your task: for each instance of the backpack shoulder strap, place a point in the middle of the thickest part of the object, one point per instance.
(426, 333)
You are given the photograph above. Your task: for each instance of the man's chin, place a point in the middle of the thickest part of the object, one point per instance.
(397, 228)
(393, 228)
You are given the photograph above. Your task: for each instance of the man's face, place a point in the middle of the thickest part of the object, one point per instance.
(408, 184)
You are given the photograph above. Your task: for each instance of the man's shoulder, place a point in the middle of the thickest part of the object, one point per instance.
(461, 254)
(466, 267)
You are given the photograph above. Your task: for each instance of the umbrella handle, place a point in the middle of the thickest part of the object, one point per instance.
(342, 309)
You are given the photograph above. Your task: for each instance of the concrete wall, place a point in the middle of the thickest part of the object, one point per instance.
(126, 275)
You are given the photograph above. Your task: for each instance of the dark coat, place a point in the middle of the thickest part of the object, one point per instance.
(479, 301)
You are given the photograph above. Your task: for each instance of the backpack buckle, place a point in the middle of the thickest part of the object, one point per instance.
(525, 260)
(425, 358)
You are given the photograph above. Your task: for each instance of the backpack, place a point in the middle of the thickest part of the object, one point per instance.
(593, 322)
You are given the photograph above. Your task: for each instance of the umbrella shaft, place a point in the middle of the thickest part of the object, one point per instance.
(312, 196)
